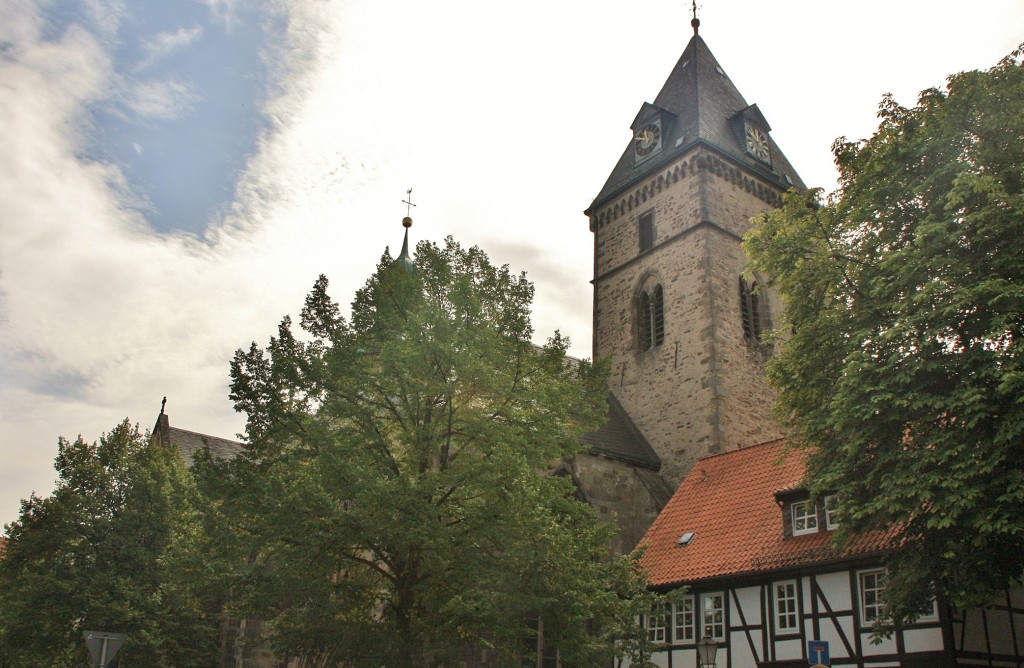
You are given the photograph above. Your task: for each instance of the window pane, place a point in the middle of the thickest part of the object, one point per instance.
(685, 621)
(872, 587)
(830, 511)
(805, 518)
(656, 627)
(714, 616)
(785, 606)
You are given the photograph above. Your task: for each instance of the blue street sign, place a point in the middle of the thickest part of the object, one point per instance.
(817, 653)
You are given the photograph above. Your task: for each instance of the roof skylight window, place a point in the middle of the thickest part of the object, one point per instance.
(685, 539)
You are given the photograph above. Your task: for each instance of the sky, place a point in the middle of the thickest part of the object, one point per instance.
(175, 175)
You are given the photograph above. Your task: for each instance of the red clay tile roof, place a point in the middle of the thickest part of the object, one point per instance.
(728, 501)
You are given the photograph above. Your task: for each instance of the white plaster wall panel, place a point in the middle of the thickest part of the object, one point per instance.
(922, 640)
(749, 599)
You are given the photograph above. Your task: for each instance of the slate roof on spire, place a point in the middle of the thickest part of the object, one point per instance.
(700, 104)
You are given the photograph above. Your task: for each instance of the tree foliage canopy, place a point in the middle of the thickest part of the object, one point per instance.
(110, 550)
(904, 368)
(393, 505)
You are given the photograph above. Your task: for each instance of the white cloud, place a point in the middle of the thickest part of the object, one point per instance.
(166, 44)
(166, 99)
(99, 317)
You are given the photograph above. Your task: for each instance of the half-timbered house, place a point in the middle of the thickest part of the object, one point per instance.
(765, 582)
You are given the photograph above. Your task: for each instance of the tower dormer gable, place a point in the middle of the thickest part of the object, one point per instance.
(652, 128)
(751, 131)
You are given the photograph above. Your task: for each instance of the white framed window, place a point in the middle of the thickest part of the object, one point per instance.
(872, 590)
(831, 522)
(655, 625)
(785, 607)
(684, 625)
(929, 614)
(805, 518)
(712, 607)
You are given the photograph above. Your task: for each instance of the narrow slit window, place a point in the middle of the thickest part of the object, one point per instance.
(646, 231)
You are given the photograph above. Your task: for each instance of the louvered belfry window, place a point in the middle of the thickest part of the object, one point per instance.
(644, 321)
(658, 316)
(750, 309)
(650, 318)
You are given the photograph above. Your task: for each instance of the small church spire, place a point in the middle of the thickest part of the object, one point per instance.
(695, 22)
(405, 259)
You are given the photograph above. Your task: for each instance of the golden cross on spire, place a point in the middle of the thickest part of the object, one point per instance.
(408, 202)
(407, 221)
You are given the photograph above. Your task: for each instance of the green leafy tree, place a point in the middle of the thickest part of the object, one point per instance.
(904, 369)
(393, 506)
(108, 551)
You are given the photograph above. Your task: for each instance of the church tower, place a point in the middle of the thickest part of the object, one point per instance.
(676, 309)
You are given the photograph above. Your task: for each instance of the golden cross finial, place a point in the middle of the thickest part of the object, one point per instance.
(408, 202)
(407, 221)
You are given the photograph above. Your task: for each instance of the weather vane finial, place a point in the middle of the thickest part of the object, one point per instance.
(407, 221)
(695, 22)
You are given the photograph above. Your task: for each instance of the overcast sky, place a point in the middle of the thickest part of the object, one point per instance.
(175, 175)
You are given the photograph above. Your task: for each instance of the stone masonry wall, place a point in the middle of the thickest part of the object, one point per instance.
(702, 390)
(629, 496)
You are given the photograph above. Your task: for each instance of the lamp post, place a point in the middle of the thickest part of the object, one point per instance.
(707, 649)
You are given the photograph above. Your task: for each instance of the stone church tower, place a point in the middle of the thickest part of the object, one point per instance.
(675, 307)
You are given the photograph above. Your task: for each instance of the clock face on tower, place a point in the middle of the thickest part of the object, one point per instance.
(647, 140)
(757, 143)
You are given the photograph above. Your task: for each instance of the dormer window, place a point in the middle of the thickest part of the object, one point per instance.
(831, 521)
(805, 518)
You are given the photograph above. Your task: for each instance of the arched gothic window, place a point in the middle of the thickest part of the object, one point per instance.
(650, 317)
(750, 308)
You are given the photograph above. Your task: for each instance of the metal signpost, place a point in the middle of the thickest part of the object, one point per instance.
(103, 646)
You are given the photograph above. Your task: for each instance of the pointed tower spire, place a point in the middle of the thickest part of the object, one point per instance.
(670, 311)
(405, 259)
